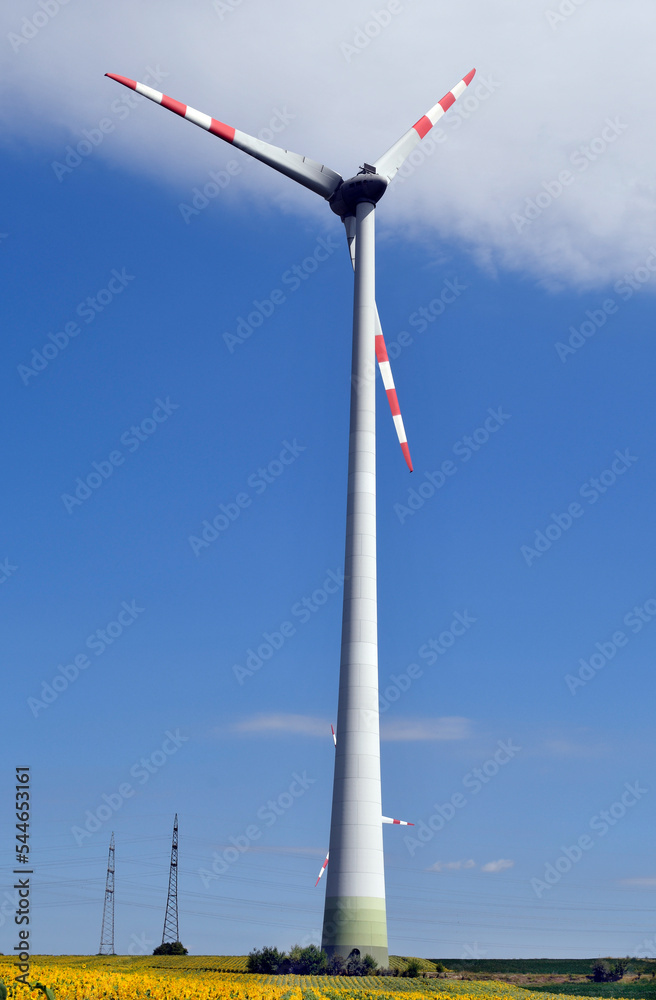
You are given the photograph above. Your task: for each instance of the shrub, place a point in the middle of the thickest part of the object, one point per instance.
(177, 948)
(620, 968)
(602, 972)
(266, 960)
(310, 961)
(412, 969)
(354, 964)
(336, 966)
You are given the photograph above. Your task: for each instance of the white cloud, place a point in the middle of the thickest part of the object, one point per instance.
(570, 748)
(446, 728)
(454, 866)
(546, 93)
(283, 724)
(450, 866)
(498, 866)
(638, 883)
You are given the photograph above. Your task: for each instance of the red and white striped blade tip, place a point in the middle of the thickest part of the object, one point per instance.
(334, 737)
(425, 124)
(451, 98)
(323, 868)
(385, 368)
(123, 79)
(391, 161)
(204, 121)
(315, 176)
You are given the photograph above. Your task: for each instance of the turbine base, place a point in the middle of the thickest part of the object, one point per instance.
(355, 922)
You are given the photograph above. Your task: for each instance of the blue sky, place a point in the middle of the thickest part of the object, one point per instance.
(163, 714)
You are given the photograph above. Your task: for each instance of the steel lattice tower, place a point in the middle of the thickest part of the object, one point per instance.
(170, 933)
(107, 932)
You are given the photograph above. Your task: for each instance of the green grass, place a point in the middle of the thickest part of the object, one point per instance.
(643, 989)
(538, 966)
(399, 962)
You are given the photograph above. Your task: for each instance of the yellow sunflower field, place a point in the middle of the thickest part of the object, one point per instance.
(124, 978)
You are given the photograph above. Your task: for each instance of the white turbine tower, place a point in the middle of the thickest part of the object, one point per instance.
(354, 915)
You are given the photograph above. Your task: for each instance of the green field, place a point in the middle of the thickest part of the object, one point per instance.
(537, 966)
(560, 977)
(642, 989)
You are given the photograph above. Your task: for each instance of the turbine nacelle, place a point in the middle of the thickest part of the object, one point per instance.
(366, 186)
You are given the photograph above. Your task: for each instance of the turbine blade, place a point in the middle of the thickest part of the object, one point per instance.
(334, 737)
(388, 164)
(397, 822)
(388, 382)
(382, 358)
(349, 225)
(323, 868)
(310, 174)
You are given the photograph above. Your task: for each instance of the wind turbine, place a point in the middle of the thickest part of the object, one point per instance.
(384, 819)
(354, 913)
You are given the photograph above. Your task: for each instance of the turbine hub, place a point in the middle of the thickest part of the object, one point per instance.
(365, 186)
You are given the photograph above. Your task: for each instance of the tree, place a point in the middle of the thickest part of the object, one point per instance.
(310, 961)
(336, 966)
(620, 968)
(266, 960)
(600, 971)
(353, 964)
(369, 963)
(603, 972)
(413, 968)
(177, 948)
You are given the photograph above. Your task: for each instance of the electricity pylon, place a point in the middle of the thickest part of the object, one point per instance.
(107, 932)
(170, 933)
